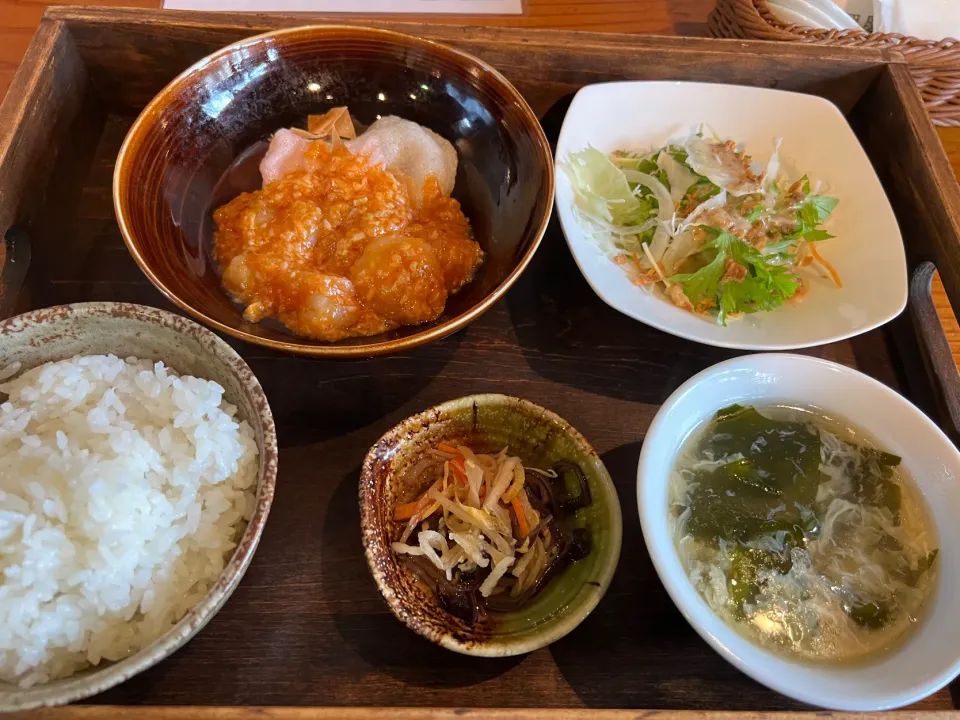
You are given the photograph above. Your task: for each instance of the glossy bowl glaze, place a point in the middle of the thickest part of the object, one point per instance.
(167, 178)
(127, 330)
(540, 438)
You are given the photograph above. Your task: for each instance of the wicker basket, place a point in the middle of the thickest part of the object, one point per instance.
(935, 65)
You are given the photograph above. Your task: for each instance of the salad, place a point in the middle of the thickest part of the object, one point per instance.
(698, 221)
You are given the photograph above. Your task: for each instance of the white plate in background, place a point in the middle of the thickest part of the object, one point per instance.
(817, 140)
(813, 13)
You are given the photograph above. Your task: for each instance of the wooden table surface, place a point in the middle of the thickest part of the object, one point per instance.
(19, 18)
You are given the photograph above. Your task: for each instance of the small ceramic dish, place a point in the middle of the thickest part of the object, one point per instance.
(817, 140)
(929, 658)
(126, 330)
(170, 173)
(539, 438)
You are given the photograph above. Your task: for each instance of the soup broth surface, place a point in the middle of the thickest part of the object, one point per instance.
(802, 534)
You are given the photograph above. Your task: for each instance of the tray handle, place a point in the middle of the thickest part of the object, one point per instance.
(16, 262)
(934, 348)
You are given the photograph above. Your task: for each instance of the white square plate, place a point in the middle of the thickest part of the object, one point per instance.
(867, 251)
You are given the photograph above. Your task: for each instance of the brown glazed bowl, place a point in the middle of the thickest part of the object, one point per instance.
(488, 423)
(166, 182)
(99, 328)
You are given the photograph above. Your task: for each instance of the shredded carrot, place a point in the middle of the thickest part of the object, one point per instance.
(417, 508)
(645, 277)
(521, 517)
(459, 468)
(519, 477)
(405, 511)
(443, 447)
(829, 268)
(459, 472)
(408, 510)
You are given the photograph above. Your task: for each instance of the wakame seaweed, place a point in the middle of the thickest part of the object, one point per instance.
(753, 490)
(769, 479)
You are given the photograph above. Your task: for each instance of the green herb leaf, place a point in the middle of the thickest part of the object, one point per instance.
(809, 215)
(783, 280)
(813, 212)
(701, 191)
(646, 206)
(824, 205)
(773, 249)
(816, 235)
(647, 165)
(678, 153)
(763, 287)
(702, 284)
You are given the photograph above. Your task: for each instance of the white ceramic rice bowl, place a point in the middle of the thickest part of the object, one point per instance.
(61, 332)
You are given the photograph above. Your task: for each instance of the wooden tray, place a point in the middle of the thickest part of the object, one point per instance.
(307, 626)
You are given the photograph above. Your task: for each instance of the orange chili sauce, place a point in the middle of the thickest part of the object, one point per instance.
(340, 250)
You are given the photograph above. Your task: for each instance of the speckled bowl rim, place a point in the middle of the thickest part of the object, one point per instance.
(496, 645)
(144, 124)
(96, 681)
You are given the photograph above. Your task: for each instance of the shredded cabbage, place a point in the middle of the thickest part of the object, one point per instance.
(772, 172)
(404, 549)
(472, 546)
(614, 217)
(602, 190)
(499, 570)
(474, 480)
(717, 201)
(683, 246)
(485, 512)
(503, 480)
(679, 176)
(721, 165)
(430, 542)
(659, 190)
(451, 558)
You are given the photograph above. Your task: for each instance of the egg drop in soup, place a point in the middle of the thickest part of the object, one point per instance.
(350, 235)
(802, 534)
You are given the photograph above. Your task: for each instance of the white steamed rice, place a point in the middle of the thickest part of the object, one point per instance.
(123, 488)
